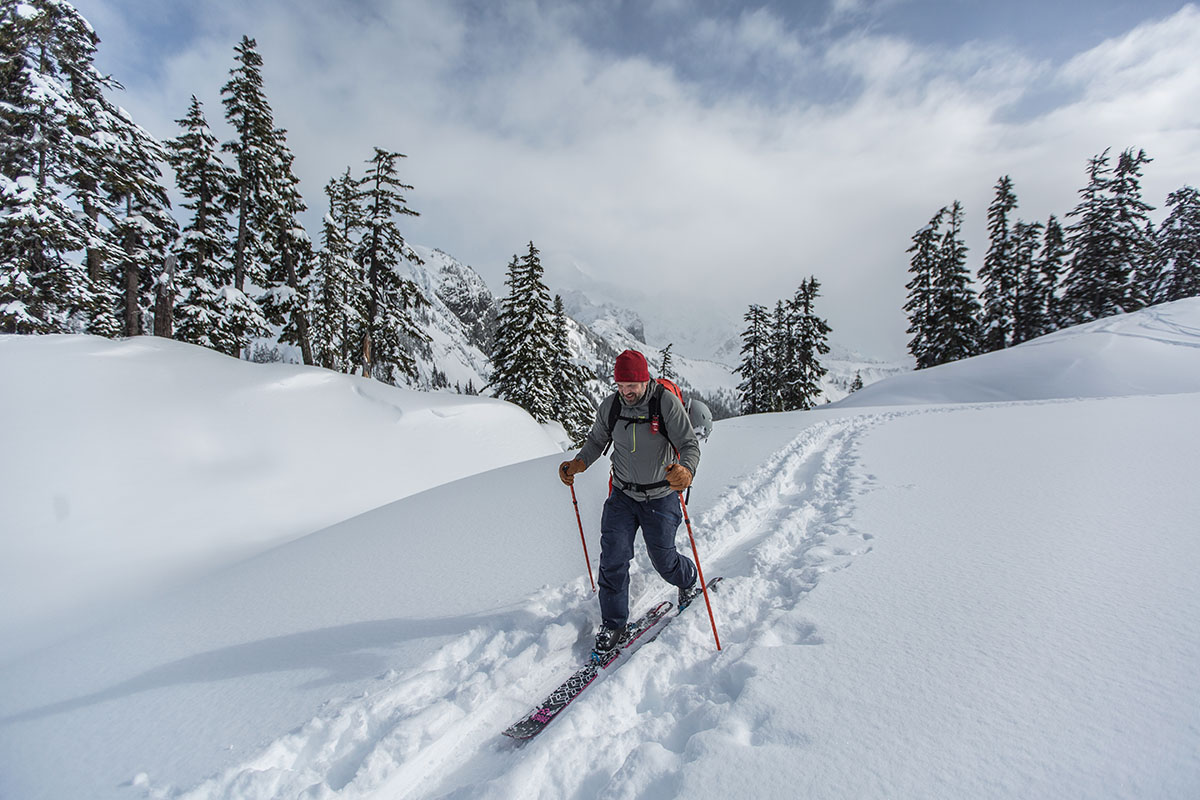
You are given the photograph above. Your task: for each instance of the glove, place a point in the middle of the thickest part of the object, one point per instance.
(679, 476)
(567, 470)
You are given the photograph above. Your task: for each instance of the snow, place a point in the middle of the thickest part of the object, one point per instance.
(972, 581)
(140, 462)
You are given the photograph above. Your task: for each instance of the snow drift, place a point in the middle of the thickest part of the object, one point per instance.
(129, 465)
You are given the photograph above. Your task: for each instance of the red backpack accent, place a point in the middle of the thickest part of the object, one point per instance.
(666, 384)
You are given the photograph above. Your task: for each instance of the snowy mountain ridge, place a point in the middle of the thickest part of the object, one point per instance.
(463, 310)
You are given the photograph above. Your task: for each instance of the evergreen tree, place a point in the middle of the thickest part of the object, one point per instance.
(1134, 245)
(783, 377)
(956, 331)
(55, 121)
(339, 285)
(205, 273)
(857, 383)
(999, 272)
(1051, 261)
(921, 303)
(1177, 255)
(667, 369)
(38, 230)
(146, 231)
(390, 332)
(289, 254)
(98, 136)
(254, 149)
(1086, 292)
(522, 359)
(1107, 241)
(942, 309)
(575, 411)
(84, 219)
(1030, 314)
(755, 364)
(812, 334)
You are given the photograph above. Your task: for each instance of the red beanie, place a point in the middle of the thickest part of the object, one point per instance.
(631, 367)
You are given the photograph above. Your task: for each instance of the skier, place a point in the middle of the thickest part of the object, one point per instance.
(655, 454)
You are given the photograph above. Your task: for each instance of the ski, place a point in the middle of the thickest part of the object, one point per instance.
(536, 720)
(687, 602)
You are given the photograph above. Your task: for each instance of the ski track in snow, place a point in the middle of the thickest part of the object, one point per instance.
(434, 731)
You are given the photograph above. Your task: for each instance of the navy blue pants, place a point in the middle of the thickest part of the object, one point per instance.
(659, 519)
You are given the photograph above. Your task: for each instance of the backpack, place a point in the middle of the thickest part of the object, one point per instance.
(614, 413)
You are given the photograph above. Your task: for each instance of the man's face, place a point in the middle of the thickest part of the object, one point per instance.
(632, 391)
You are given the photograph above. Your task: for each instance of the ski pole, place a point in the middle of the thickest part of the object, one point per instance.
(578, 519)
(700, 572)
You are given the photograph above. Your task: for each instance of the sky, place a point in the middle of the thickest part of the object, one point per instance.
(701, 154)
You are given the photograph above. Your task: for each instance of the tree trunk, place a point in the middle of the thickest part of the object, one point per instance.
(301, 315)
(164, 301)
(133, 322)
(239, 250)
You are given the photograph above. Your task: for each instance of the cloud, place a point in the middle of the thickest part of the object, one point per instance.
(719, 163)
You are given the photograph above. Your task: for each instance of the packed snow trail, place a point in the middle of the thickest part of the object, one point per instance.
(433, 731)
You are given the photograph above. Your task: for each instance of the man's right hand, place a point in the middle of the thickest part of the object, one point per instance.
(568, 469)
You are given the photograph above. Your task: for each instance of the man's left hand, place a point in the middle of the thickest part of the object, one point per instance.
(679, 476)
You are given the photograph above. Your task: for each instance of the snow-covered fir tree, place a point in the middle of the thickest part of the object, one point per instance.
(254, 151)
(390, 332)
(205, 273)
(1030, 316)
(39, 281)
(1107, 241)
(755, 364)
(522, 358)
(84, 218)
(857, 383)
(920, 305)
(784, 376)
(956, 329)
(339, 293)
(1134, 245)
(780, 368)
(812, 334)
(96, 299)
(288, 253)
(942, 309)
(1000, 271)
(1052, 260)
(574, 410)
(146, 230)
(1177, 253)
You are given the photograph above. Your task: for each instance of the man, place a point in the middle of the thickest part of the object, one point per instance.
(647, 475)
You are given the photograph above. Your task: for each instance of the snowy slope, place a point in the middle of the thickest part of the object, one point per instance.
(956, 591)
(129, 465)
(1151, 352)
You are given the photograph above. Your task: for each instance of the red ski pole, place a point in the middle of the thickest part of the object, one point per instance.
(582, 539)
(700, 572)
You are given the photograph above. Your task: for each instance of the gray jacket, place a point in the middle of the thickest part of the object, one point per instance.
(639, 456)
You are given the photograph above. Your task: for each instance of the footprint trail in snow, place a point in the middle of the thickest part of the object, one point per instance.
(434, 731)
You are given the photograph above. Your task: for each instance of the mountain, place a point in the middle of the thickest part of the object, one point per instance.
(461, 317)
(462, 314)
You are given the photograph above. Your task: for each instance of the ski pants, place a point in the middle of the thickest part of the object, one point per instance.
(659, 519)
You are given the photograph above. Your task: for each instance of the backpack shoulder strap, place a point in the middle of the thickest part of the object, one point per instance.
(614, 413)
(656, 411)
